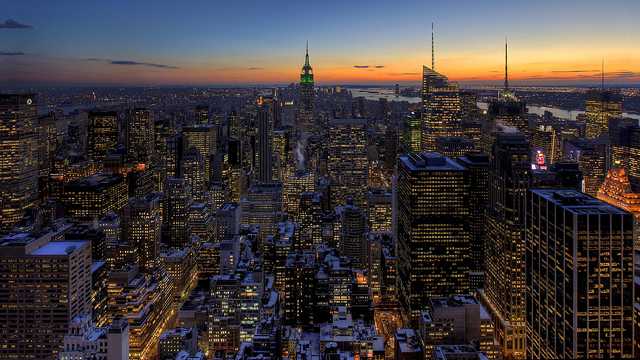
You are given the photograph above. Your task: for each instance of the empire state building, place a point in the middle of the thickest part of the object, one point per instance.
(305, 107)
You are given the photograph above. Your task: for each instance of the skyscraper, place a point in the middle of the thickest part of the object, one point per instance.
(579, 277)
(192, 170)
(265, 134)
(262, 206)
(347, 164)
(307, 95)
(509, 175)
(477, 165)
(102, 133)
(441, 108)
(204, 138)
(601, 106)
(176, 212)
(142, 225)
(92, 197)
(625, 151)
(45, 284)
(591, 156)
(140, 135)
(433, 236)
(18, 166)
(353, 243)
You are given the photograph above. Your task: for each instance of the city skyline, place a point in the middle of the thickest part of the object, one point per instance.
(373, 43)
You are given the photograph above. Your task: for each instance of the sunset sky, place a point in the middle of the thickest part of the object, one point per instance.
(216, 42)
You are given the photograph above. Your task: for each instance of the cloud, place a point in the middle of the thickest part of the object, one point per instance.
(11, 53)
(368, 66)
(12, 24)
(132, 63)
(135, 63)
(573, 71)
(624, 74)
(255, 68)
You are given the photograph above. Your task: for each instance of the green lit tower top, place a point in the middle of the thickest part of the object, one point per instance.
(306, 76)
(306, 85)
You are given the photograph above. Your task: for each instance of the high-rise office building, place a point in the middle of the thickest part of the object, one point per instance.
(265, 135)
(102, 133)
(433, 235)
(353, 242)
(192, 170)
(441, 105)
(601, 106)
(347, 163)
(310, 210)
(477, 165)
(45, 284)
(142, 230)
(297, 183)
(262, 206)
(412, 133)
(579, 277)
(91, 198)
(507, 111)
(625, 151)
(591, 156)
(204, 138)
(140, 135)
(441, 114)
(18, 166)
(509, 176)
(176, 212)
(281, 153)
(379, 210)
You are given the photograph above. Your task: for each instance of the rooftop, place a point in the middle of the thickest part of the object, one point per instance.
(59, 248)
(577, 202)
(432, 161)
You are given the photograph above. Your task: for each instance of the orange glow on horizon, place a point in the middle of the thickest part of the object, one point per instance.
(551, 65)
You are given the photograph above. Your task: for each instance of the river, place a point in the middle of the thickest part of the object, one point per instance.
(389, 94)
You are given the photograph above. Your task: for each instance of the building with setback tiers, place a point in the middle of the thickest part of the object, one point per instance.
(307, 95)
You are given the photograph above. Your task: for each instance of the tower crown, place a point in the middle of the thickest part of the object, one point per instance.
(306, 76)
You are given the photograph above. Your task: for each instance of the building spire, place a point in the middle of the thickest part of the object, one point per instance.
(506, 64)
(306, 58)
(433, 50)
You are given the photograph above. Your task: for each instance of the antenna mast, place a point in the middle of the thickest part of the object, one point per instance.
(506, 62)
(433, 51)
